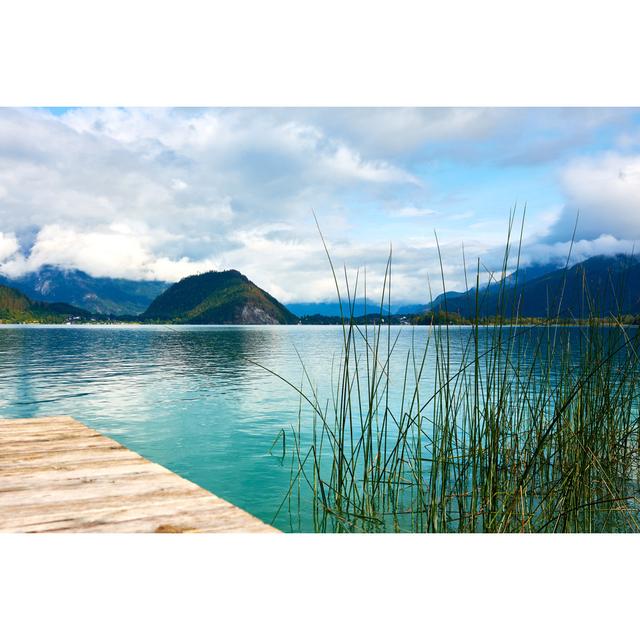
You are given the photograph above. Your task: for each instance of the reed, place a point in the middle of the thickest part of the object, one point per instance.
(516, 429)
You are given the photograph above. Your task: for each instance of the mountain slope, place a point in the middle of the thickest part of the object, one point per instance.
(217, 297)
(108, 296)
(603, 285)
(422, 308)
(519, 277)
(15, 306)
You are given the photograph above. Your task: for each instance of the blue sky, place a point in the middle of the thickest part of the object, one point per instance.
(163, 193)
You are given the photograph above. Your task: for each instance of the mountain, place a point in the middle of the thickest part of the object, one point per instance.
(217, 297)
(409, 309)
(604, 285)
(422, 308)
(108, 296)
(332, 309)
(15, 306)
(524, 274)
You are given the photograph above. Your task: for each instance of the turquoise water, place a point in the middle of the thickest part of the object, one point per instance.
(194, 398)
(188, 398)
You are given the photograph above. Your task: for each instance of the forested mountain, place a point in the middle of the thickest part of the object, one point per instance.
(602, 285)
(15, 306)
(217, 297)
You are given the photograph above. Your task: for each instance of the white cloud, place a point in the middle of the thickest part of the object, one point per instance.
(505, 135)
(395, 131)
(146, 193)
(116, 251)
(577, 251)
(179, 185)
(8, 245)
(605, 190)
(602, 194)
(162, 193)
(347, 163)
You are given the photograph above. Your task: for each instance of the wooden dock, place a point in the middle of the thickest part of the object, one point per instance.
(58, 475)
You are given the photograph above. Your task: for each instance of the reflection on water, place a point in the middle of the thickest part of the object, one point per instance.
(193, 398)
(189, 398)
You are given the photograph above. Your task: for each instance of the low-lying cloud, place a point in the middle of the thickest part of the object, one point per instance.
(605, 193)
(164, 193)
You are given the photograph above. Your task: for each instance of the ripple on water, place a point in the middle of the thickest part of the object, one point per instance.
(190, 398)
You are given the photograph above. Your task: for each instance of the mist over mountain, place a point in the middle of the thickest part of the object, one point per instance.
(362, 307)
(602, 285)
(107, 296)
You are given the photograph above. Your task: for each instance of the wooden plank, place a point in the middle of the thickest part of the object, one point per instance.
(44, 459)
(42, 422)
(58, 475)
(28, 448)
(155, 512)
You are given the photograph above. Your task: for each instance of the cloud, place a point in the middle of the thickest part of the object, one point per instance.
(162, 193)
(195, 176)
(8, 245)
(606, 192)
(394, 131)
(268, 254)
(601, 195)
(347, 163)
(115, 251)
(412, 212)
(560, 252)
(504, 136)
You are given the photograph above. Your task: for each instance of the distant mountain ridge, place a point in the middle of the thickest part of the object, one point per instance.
(524, 274)
(217, 297)
(602, 285)
(106, 296)
(332, 308)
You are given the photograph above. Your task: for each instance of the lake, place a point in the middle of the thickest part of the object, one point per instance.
(195, 399)
(189, 398)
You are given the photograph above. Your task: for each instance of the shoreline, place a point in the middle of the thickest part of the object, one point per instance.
(603, 323)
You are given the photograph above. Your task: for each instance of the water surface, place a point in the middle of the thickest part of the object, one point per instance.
(189, 398)
(193, 399)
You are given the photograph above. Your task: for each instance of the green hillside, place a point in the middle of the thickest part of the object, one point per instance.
(217, 297)
(15, 307)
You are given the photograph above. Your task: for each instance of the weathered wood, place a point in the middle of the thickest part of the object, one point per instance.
(56, 474)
